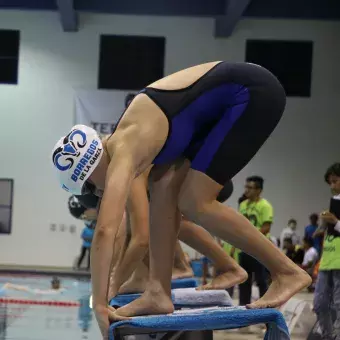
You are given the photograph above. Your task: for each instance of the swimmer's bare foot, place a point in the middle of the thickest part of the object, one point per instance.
(134, 285)
(228, 279)
(181, 273)
(152, 302)
(283, 287)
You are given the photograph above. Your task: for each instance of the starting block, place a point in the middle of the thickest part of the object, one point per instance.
(183, 324)
(197, 314)
(184, 283)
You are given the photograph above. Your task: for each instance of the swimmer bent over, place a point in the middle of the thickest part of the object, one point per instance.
(199, 127)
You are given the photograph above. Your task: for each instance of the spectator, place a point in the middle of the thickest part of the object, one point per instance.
(311, 255)
(87, 236)
(294, 252)
(327, 289)
(260, 213)
(311, 229)
(290, 232)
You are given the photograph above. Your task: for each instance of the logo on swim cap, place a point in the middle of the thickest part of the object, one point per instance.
(75, 157)
(69, 151)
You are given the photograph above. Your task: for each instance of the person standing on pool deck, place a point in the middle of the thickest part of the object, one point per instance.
(260, 213)
(198, 128)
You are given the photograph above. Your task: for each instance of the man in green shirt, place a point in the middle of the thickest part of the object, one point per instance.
(327, 290)
(260, 213)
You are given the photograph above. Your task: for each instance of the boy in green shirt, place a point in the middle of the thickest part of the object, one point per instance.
(327, 290)
(260, 213)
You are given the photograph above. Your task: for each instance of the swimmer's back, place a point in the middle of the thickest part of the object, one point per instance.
(136, 126)
(183, 78)
(158, 104)
(143, 105)
(144, 108)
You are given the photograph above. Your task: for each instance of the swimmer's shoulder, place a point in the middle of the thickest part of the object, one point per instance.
(183, 78)
(137, 129)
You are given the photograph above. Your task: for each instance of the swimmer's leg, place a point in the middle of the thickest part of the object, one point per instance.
(138, 281)
(198, 203)
(251, 115)
(181, 268)
(199, 239)
(164, 226)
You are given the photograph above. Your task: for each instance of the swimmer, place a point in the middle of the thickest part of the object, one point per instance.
(130, 276)
(198, 128)
(83, 207)
(230, 273)
(194, 236)
(55, 288)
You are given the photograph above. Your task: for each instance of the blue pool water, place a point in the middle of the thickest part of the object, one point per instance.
(21, 321)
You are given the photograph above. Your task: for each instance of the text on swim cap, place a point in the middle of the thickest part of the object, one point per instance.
(85, 163)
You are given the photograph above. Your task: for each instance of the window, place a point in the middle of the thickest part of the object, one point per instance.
(9, 56)
(6, 201)
(289, 61)
(130, 62)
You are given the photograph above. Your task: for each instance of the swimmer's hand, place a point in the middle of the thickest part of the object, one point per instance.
(102, 316)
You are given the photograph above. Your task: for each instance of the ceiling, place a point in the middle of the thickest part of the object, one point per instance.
(226, 12)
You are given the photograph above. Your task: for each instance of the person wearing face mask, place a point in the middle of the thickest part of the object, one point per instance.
(290, 232)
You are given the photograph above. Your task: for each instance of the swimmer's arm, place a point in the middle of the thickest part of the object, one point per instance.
(118, 181)
(17, 287)
(138, 210)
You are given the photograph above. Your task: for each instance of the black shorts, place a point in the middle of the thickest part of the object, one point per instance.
(220, 122)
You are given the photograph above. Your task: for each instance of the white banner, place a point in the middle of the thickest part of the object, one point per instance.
(99, 109)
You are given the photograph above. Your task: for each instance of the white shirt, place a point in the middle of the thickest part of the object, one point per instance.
(289, 233)
(311, 255)
(274, 240)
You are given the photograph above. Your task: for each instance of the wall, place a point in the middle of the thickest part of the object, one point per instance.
(40, 109)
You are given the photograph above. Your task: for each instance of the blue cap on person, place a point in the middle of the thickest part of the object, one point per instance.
(75, 156)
